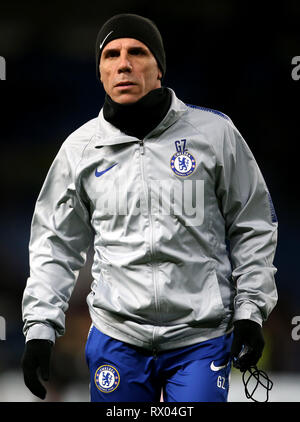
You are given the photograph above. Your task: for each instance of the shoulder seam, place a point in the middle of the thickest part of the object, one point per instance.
(210, 110)
(75, 176)
(81, 156)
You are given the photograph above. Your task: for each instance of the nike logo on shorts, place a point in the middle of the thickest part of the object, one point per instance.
(216, 368)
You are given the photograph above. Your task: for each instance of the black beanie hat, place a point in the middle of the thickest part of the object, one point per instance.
(127, 25)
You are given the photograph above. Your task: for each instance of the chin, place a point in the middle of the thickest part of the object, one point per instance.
(127, 99)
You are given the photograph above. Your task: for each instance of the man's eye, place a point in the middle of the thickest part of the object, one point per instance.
(137, 51)
(112, 54)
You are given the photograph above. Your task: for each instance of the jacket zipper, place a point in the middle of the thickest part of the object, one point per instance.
(141, 142)
(153, 264)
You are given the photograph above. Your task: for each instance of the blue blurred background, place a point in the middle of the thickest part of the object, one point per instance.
(228, 55)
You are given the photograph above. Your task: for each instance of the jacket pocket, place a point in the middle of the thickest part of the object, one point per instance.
(209, 310)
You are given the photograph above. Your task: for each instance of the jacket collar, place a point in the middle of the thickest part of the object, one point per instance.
(107, 134)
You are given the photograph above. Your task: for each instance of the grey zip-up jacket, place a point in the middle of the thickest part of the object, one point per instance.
(182, 224)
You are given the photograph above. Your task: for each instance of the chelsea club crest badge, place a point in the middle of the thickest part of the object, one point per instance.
(107, 378)
(183, 163)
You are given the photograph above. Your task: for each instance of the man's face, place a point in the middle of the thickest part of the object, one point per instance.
(128, 70)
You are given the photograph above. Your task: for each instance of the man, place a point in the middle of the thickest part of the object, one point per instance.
(183, 229)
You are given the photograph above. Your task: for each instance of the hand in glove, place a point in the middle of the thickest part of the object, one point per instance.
(36, 358)
(247, 345)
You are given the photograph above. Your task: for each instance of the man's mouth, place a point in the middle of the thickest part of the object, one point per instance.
(125, 83)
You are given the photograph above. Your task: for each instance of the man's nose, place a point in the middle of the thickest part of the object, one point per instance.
(124, 64)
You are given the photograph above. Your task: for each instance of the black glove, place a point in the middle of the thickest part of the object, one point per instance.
(36, 357)
(247, 345)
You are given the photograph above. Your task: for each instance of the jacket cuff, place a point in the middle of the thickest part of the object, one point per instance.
(248, 310)
(41, 332)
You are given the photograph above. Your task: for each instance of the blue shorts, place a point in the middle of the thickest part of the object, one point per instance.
(120, 372)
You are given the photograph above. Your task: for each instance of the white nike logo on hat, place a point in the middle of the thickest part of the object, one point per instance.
(216, 368)
(105, 39)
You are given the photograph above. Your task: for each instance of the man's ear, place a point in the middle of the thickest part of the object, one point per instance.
(159, 76)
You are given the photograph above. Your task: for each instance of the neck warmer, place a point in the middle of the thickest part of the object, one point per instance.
(139, 118)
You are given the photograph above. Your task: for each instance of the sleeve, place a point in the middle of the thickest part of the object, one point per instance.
(59, 242)
(251, 228)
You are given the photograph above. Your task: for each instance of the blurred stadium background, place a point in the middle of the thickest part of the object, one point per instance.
(228, 55)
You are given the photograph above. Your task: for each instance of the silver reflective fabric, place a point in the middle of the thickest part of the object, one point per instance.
(182, 224)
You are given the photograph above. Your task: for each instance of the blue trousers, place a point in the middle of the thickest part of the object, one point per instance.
(120, 372)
